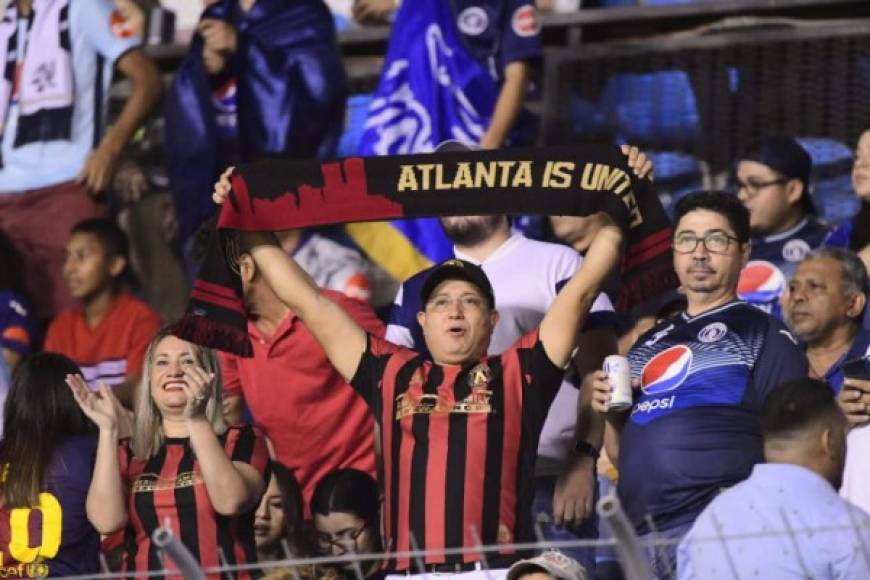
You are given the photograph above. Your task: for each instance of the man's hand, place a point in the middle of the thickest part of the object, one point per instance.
(99, 169)
(129, 181)
(373, 11)
(854, 399)
(574, 495)
(219, 35)
(223, 187)
(638, 162)
(601, 392)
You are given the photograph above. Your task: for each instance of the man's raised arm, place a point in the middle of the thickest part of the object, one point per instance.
(340, 336)
(563, 322)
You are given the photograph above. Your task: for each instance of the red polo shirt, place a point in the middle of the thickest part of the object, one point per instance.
(317, 423)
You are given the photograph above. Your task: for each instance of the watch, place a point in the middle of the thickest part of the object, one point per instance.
(585, 448)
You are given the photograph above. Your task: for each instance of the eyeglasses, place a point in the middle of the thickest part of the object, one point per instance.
(753, 188)
(714, 242)
(466, 302)
(345, 539)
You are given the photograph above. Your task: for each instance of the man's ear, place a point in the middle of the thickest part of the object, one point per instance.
(856, 305)
(745, 251)
(117, 265)
(421, 318)
(794, 191)
(826, 441)
(493, 317)
(247, 268)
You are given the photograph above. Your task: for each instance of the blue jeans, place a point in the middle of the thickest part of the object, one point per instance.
(542, 512)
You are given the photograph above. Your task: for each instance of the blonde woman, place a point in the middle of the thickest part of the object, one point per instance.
(183, 466)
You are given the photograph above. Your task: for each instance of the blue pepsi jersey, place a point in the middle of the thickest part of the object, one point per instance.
(860, 348)
(55, 537)
(498, 32)
(774, 259)
(693, 428)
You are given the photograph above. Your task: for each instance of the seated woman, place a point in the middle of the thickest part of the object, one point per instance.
(347, 519)
(47, 456)
(183, 468)
(279, 522)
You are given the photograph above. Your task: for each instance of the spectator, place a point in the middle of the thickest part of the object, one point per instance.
(262, 77)
(347, 519)
(787, 517)
(279, 520)
(551, 565)
(55, 158)
(17, 326)
(330, 264)
(824, 306)
(483, 53)
(290, 381)
(454, 70)
(572, 435)
(459, 429)
(858, 228)
(773, 180)
(183, 468)
(107, 334)
(47, 451)
(701, 378)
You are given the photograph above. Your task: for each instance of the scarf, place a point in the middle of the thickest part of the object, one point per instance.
(45, 88)
(566, 180)
(290, 93)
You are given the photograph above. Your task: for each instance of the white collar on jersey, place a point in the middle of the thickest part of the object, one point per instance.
(788, 233)
(512, 241)
(716, 310)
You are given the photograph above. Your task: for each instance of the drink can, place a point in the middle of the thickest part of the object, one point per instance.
(619, 376)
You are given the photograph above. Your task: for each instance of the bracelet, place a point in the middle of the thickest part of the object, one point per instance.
(585, 448)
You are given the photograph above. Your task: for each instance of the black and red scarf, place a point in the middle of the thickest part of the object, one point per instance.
(565, 180)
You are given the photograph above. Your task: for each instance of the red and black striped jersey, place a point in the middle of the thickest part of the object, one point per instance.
(459, 445)
(168, 489)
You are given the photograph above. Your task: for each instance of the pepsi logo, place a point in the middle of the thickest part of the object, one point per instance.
(525, 22)
(472, 21)
(760, 281)
(712, 332)
(667, 370)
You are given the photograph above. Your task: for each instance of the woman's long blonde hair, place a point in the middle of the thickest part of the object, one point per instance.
(147, 427)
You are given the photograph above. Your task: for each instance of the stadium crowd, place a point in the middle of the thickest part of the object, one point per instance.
(398, 423)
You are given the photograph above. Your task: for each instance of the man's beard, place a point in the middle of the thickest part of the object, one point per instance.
(471, 230)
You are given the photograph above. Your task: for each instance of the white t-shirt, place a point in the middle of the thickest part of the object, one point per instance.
(47, 163)
(525, 275)
(856, 476)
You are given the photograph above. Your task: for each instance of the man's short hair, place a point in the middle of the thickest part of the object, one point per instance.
(797, 405)
(723, 203)
(787, 157)
(854, 271)
(111, 237)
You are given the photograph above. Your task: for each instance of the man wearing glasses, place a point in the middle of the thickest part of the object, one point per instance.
(772, 181)
(700, 379)
(824, 306)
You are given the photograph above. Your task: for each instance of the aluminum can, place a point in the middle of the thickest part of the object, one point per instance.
(618, 372)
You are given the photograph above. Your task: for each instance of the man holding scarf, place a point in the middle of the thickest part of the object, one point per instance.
(459, 429)
(57, 58)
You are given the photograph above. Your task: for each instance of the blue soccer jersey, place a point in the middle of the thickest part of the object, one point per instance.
(694, 428)
(774, 259)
